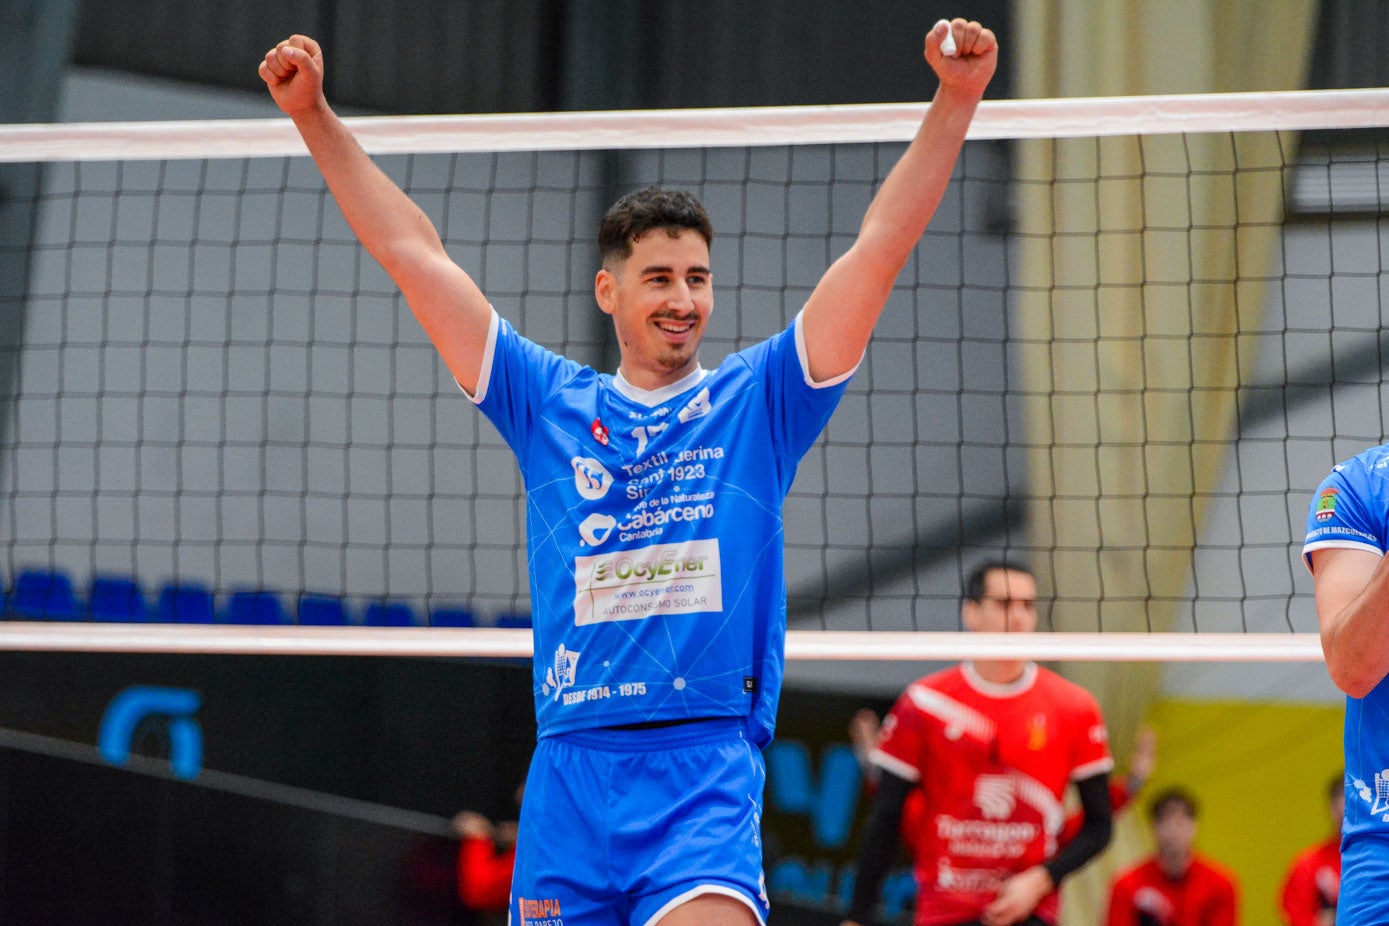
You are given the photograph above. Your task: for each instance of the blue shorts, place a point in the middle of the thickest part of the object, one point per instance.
(619, 827)
(1364, 881)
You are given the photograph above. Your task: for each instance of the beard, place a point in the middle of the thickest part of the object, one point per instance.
(675, 358)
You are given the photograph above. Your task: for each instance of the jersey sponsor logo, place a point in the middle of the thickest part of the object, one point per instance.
(562, 672)
(986, 839)
(642, 524)
(1340, 530)
(669, 578)
(641, 487)
(599, 432)
(596, 528)
(968, 880)
(591, 478)
(997, 797)
(697, 407)
(534, 912)
(993, 794)
(1037, 733)
(692, 455)
(1326, 504)
(1378, 799)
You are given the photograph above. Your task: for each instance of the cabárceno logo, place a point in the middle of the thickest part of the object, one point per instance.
(595, 529)
(668, 578)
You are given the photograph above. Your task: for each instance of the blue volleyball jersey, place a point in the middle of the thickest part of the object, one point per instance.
(654, 528)
(1351, 509)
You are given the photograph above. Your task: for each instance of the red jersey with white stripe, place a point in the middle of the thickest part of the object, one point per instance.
(992, 763)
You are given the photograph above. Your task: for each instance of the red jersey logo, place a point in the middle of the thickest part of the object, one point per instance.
(600, 432)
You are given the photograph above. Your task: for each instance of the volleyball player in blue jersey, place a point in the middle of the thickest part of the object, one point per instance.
(654, 500)
(1347, 537)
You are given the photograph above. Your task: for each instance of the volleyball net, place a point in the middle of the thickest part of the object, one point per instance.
(1137, 334)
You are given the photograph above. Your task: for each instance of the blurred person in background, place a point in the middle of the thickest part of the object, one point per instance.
(1313, 884)
(1176, 886)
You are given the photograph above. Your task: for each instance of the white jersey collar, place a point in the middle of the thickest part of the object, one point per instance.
(653, 397)
(995, 690)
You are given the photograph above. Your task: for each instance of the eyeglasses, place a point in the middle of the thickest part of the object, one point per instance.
(1029, 603)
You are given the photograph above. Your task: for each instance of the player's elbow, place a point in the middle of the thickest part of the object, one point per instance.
(1355, 683)
(1350, 672)
(404, 259)
(881, 257)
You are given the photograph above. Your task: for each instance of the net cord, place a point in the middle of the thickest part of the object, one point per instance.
(801, 645)
(702, 128)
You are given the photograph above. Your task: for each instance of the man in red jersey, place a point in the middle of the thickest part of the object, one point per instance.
(1176, 887)
(1314, 880)
(486, 856)
(991, 746)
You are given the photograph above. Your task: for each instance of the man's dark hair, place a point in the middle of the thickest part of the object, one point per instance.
(974, 585)
(1168, 798)
(645, 210)
(1336, 787)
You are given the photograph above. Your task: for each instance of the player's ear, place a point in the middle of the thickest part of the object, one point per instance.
(969, 614)
(604, 283)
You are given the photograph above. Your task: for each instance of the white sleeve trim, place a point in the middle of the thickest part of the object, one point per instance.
(1091, 769)
(1341, 544)
(484, 373)
(805, 359)
(894, 765)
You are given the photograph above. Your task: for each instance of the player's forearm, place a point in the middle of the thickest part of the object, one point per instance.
(878, 847)
(1096, 829)
(908, 198)
(386, 221)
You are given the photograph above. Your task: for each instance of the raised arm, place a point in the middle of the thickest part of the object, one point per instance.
(841, 313)
(1352, 591)
(448, 304)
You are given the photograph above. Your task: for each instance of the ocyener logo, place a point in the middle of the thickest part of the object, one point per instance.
(669, 563)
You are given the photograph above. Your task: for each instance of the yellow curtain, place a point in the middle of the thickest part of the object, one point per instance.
(1133, 284)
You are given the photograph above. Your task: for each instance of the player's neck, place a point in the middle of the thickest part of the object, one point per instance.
(1174, 864)
(650, 379)
(1000, 671)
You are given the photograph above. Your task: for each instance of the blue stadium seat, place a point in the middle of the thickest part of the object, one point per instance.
(514, 620)
(260, 608)
(116, 598)
(452, 617)
(388, 614)
(189, 603)
(322, 611)
(44, 595)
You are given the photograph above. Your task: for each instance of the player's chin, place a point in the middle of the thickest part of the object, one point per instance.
(677, 357)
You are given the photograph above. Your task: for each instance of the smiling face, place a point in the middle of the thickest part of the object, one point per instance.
(660, 297)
